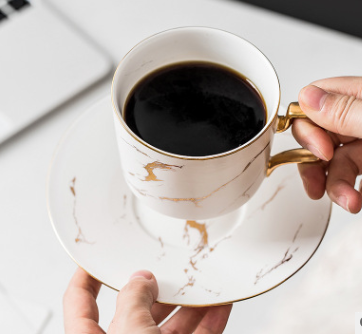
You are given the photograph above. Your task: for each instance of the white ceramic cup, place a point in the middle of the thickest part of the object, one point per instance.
(204, 187)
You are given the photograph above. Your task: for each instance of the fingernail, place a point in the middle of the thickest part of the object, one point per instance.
(316, 152)
(343, 202)
(313, 97)
(142, 273)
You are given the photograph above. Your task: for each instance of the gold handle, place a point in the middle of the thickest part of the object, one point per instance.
(300, 155)
(293, 112)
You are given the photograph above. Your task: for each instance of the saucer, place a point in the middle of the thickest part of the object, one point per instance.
(110, 234)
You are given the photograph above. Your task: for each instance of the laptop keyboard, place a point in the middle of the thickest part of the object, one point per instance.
(7, 8)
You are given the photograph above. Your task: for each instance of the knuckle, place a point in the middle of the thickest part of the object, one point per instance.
(136, 290)
(341, 112)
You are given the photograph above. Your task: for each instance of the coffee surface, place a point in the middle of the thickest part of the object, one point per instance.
(195, 109)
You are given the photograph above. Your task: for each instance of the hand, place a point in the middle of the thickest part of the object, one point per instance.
(136, 310)
(333, 133)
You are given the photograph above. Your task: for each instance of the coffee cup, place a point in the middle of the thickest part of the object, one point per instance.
(204, 186)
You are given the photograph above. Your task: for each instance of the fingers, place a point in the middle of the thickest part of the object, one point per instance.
(335, 112)
(79, 303)
(313, 138)
(204, 320)
(134, 303)
(351, 86)
(343, 170)
(160, 312)
(185, 320)
(215, 320)
(314, 179)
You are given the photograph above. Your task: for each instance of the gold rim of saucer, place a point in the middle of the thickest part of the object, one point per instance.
(184, 157)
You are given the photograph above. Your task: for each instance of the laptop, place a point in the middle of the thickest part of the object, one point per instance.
(44, 61)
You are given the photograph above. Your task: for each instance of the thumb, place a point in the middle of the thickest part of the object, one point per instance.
(341, 114)
(134, 303)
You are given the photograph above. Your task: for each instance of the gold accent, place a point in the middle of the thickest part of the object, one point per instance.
(270, 123)
(133, 146)
(161, 242)
(72, 186)
(280, 187)
(202, 230)
(138, 150)
(252, 160)
(293, 112)
(197, 200)
(299, 155)
(193, 200)
(156, 165)
(162, 247)
(191, 282)
(202, 245)
(80, 236)
(287, 257)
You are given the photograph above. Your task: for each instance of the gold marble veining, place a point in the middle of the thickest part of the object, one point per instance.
(138, 150)
(288, 255)
(150, 167)
(201, 252)
(80, 236)
(161, 242)
(219, 242)
(204, 241)
(280, 187)
(142, 192)
(134, 147)
(163, 253)
(297, 232)
(252, 160)
(190, 283)
(243, 194)
(197, 200)
(72, 184)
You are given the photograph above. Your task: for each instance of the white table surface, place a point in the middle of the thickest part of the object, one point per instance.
(33, 263)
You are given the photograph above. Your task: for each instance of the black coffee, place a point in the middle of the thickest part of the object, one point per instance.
(195, 109)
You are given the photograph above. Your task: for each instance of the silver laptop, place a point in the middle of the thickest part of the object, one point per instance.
(44, 61)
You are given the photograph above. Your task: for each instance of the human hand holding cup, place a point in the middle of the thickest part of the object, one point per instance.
(206, 186)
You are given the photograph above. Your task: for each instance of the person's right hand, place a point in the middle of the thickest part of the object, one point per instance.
(333, 133)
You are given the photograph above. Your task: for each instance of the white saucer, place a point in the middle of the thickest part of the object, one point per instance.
(109, 234)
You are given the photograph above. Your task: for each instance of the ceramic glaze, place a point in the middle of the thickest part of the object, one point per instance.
(195, 187)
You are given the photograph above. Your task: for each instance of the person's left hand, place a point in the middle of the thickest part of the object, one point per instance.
(136, 310)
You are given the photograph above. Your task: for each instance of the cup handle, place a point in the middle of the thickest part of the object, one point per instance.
(300, 155)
